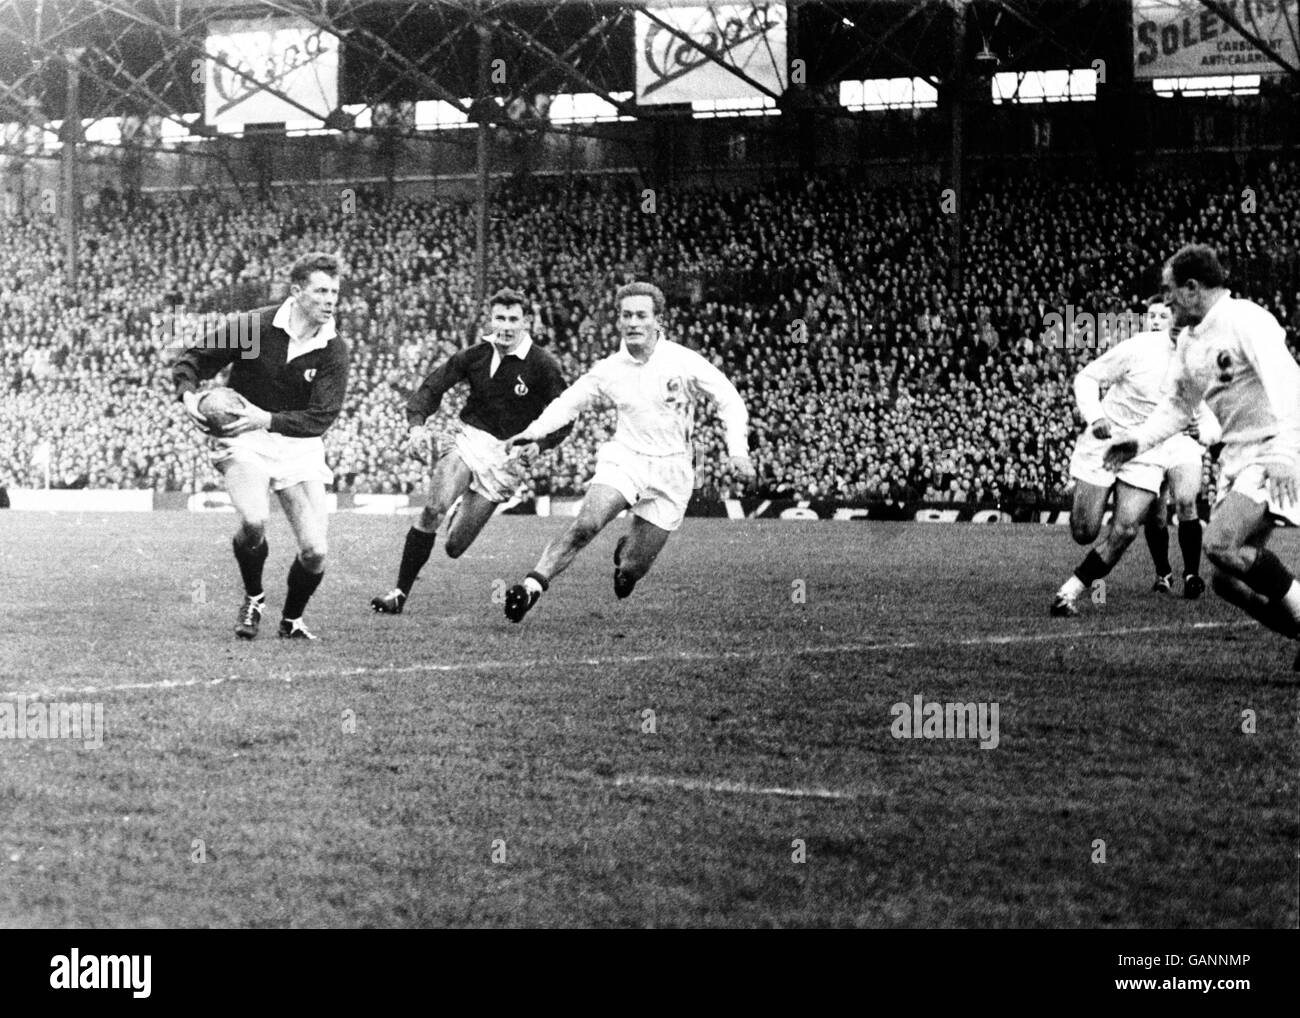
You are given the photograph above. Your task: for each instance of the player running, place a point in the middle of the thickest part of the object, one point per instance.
(1132, 373)
(654, 385)
(510, 381)
(294, 388)
(1234, 356)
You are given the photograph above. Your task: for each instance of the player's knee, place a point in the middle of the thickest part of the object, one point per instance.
(1124, 532)
(1187, 511)
(1225, 553)
(312, 555)
(252, 529)
(1084, 531)
(431, 517)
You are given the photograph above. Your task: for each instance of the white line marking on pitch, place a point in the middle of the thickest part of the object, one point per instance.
(278, 673)
(734, 787)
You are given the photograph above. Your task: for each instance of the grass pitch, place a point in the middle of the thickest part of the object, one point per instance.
(445, 767)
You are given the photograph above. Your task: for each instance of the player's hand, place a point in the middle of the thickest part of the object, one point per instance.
(1194, 430)
(190, 401)
(1101, 428)
(250, 418)
(418, 444)
(524, 453)
(1283, 484)
(1120, 452)
(743, 468)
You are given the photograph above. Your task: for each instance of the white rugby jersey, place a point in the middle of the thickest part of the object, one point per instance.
(1136, 372)
(1235, 359)
(655, 400)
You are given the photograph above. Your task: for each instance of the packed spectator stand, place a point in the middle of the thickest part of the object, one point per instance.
(828, 303)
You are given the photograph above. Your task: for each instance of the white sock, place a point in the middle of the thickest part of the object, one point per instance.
(532, 586)
(1291, 600)
(1072, 587)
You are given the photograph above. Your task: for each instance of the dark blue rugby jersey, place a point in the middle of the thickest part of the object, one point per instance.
(502, 405)
(304, 395)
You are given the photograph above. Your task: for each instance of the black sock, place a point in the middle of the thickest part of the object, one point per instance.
(415, 554)
(250, 562)
(1091, 569)
(1268, 576)
(302, 585)
(1158, 542)
(1189, 540)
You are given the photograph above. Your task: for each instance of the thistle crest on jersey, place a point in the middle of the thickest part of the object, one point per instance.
(520, 388)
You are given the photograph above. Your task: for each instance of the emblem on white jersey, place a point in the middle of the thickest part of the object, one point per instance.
(674, 392)
(1224, 362)
(520, 388)
(309, 375)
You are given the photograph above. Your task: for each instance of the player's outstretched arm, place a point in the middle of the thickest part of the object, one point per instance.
(731, 408)
(562, 410)
(426, 399)
(1104, 370)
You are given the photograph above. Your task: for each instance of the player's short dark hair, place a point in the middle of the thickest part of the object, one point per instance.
(1199, 262)
(508, 298)
(314, 261)
(1151, 302)
(641, 290)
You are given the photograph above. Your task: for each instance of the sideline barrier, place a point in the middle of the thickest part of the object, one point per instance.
(747, 508)
(80, 500)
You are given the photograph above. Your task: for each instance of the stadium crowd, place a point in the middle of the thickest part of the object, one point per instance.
(829, 304)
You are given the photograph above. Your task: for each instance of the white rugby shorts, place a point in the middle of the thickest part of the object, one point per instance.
(285, 460)
(1146, 471)
(493, 475)
(657, 488)
(1243, 468)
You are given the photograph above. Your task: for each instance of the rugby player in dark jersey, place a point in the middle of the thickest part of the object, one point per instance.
(293, 380)
(510, 382)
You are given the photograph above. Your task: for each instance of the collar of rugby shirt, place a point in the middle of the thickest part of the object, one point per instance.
(301, 344)
(628, 356)
(1214, 310)
(521, 351)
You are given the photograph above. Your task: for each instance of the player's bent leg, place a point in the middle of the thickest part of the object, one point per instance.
(304, 505)
(471, 518)
(247, 484)
(600, 506)
(1131, 507)
(1185, 487)
(1086, 511)
(1260, 608)
(1236, 534)
(451, 478)
(1235, 543)
(635, 554)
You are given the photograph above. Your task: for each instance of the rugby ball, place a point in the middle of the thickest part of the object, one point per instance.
(220, 407)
